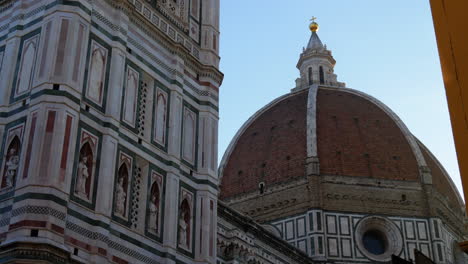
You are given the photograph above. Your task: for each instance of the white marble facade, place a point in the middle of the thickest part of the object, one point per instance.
(335, 236)
(100, 131)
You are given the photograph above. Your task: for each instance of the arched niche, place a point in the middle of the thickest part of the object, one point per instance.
(10, 168)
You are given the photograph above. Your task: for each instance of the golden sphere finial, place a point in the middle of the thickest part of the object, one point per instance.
(314, 27)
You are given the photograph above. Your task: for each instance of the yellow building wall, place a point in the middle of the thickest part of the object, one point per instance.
(451, 28)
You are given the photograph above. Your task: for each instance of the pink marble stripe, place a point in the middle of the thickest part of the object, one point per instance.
(61, 48)
(47, 143)
(30, 144)
(79, 47)
(66, 144)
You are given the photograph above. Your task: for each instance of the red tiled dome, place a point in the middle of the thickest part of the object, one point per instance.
(271, 150)
(357, 138)
(356, 135)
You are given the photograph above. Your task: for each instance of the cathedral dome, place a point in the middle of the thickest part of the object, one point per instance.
(320, 143)
(349, 133)
(325, 160)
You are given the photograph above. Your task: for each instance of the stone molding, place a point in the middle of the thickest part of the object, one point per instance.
(247, 225)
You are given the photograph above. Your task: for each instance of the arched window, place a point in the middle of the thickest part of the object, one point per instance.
(311, 81)
(261, 187)
(10, 170)
(322, 78)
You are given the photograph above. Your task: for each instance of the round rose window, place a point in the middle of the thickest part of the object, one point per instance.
(375, 242)
(378, 238)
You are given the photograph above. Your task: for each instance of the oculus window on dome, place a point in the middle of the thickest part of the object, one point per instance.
(375, 242)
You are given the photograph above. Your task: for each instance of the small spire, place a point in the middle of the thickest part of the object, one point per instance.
(314, 42)
(314, 27)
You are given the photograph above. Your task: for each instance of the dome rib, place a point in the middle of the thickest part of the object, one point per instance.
(438, 170)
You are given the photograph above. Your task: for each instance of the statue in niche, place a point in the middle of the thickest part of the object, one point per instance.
(153, 214)
(153, 224)
(11, 167)
(84, 173)
(121, 191)
(182, 230)
(184, 224)
(120, 197)
(82, 177)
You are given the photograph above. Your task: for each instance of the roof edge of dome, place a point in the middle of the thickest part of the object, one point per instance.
(243, 128)
(444, 172)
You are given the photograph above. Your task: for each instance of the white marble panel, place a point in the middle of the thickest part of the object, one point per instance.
(302, 245)
(160, 117)
(301, 227)
(97, 73)
(289, 230)
(331, 224)
(422, 232)
(333, 246)
(411, 247)
(189, 130)
(344, 225)
(409, 227)
(346, 246)
(131, 94)
(28, 60)
(424, 248)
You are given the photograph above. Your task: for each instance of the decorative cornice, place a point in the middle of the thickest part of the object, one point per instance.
(28, 251)
(176, 44)
(248, 225)
(314, 54)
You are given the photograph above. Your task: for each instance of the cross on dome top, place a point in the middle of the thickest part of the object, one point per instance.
(314, 27)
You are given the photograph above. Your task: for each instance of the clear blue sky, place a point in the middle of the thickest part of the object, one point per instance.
(385, 48)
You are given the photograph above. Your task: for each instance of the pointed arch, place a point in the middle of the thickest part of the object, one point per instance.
(185, 212)
(85, 170)
(121, 194)
(131, 94)
(161, 118)
(156, 192)
(28, 60)
(188, 149)
(97, 73)
(154, 207)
